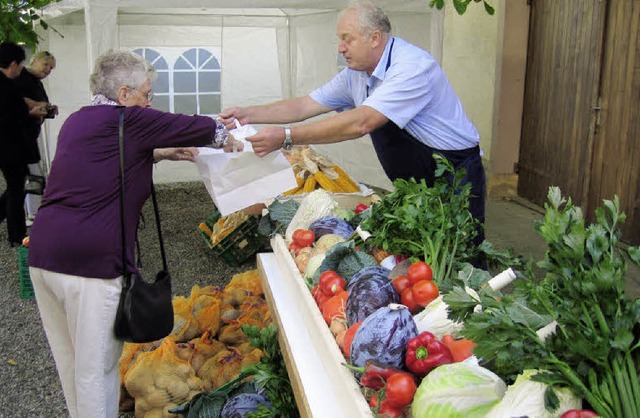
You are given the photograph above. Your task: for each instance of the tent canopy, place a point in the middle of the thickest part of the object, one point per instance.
(267, 50)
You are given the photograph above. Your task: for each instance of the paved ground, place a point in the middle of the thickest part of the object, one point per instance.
(28, 382)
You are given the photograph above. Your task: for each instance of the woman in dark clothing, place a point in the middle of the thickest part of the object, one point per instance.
(29, 83)
(14, 117)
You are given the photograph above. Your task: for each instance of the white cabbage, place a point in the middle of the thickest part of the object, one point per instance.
(457, 390)
(526, 398)
(316, 205)
(435, 319)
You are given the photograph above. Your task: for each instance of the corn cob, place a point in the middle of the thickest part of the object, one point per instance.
(344, 182)
(325, 182)
(309, 184)
(292, 191)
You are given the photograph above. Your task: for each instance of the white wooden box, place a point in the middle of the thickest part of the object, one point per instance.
(322, 386)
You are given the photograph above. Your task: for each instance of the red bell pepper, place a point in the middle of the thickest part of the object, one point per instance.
(425, 353)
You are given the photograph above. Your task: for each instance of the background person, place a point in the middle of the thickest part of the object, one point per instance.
(14, 117)
(75, 243)
(30, 84)
(393, 91)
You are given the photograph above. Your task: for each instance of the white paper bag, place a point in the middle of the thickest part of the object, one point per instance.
(236, 180)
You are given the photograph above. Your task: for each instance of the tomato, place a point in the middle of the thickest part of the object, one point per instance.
(294, 248)
(304, 237)
(399, 389)
(406, 298)
(419, 271)
(332, 285)
(326, 274)
(361, 207)
(400, 283)
(583, 413)
(389, 411)
(319, 296)
(424, 292)
(348, 339)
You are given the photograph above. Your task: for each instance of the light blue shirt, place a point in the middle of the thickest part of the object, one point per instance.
(413, 92)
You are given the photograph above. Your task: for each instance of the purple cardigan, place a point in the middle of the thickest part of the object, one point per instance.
(77, 228)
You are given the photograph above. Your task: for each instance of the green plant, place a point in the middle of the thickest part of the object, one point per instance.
(461, 5)
(17, 19)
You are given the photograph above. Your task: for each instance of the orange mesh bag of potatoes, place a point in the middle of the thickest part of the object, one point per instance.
(249, 281)
(206, 309)
(221, 368)
(159, 381)
(185, 326)
(204, 347)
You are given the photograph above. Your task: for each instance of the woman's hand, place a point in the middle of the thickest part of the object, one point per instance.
(175, 154)
(233, 145)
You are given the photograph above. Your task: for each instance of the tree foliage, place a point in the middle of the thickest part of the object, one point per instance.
(18, 19)
(461, 5)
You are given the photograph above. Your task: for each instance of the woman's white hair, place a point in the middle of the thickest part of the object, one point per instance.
(115, 69)
(370, 16)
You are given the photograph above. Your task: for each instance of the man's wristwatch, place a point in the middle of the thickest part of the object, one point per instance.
(287, 145)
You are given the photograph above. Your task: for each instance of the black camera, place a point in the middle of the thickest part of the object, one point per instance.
(51, 111)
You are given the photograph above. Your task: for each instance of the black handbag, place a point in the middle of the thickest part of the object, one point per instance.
(145, 310)
(34, 184)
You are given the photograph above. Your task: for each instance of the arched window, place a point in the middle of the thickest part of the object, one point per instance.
(188, 81)
(161, 87)
(196, 83)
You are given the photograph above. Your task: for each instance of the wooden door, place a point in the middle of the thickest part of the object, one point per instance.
(616, 156)
(561, 91)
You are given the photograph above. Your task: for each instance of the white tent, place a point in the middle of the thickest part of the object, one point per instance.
(266, 49)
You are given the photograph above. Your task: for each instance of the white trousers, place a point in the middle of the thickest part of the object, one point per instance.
(78, 314)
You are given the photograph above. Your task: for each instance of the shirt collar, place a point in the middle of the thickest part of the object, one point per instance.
(381, 69)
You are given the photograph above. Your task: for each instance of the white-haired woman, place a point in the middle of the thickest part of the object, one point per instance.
(29, 82)
(75, 248)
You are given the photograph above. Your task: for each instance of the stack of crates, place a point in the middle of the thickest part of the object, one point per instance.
(241, 244)
(26, 289)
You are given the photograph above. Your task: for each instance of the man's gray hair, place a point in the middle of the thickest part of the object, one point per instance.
(115, 69)
(371, 17)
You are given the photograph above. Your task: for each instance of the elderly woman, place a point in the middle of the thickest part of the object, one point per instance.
(29, 83)
(75, 247)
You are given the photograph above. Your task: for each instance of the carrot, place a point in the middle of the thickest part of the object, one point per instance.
(460, 348)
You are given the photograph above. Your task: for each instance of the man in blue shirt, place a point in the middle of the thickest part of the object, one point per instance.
(393, 91)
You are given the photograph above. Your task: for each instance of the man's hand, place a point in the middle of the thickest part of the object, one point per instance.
(175, 154)
(267, 140)
(228, 117)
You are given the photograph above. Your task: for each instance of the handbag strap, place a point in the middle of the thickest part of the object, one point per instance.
(122, 205)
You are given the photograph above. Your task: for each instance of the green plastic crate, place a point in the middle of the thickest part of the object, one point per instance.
(241, 244)
(26, 288)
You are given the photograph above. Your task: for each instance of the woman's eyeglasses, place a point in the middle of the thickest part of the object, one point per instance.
(148, 94)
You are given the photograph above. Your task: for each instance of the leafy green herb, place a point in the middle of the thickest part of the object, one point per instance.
(428, 223)
(270, 374)
(595, 349)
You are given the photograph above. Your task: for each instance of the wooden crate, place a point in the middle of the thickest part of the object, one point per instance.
(322, 386)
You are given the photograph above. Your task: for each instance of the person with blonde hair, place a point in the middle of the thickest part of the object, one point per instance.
(29, 82)
(75, 250)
